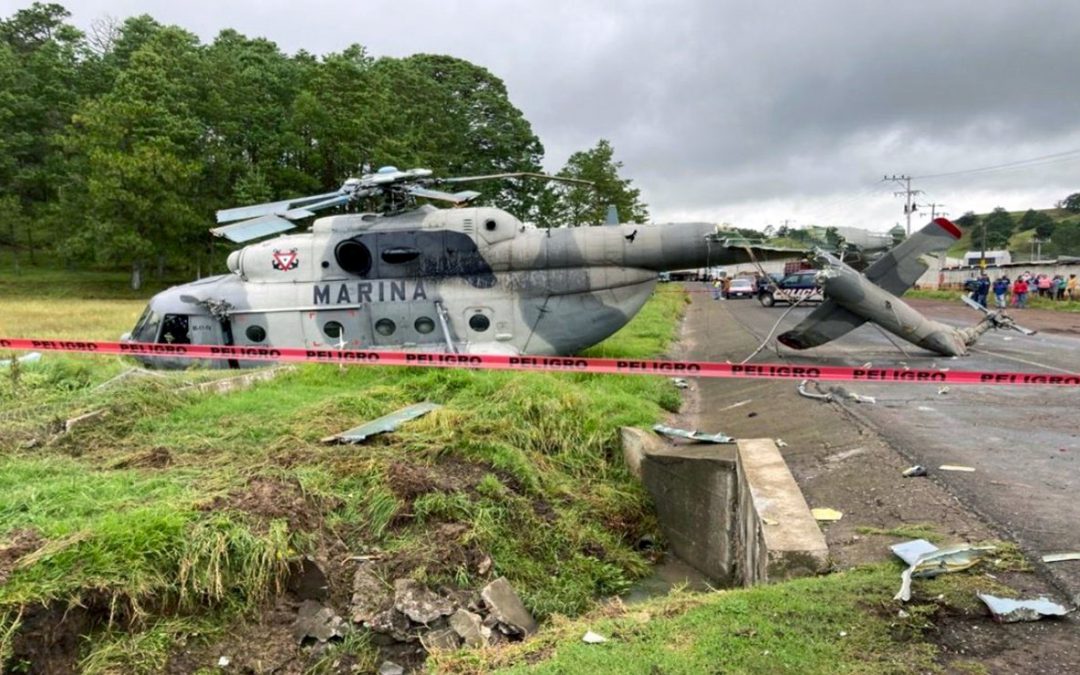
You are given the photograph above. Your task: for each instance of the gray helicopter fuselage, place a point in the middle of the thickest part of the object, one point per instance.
(471, 280)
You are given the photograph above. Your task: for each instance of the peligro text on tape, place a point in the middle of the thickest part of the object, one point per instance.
(546, 363)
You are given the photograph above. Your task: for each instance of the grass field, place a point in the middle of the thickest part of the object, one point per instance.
(169, 525)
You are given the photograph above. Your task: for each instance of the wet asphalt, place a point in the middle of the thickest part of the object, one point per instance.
(1023, 442)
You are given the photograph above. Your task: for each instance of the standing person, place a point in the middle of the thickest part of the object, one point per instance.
(982, 289)
(1001, 287)
(1020, 291)
(717, 289)
(1044, 285)
(725, 285)
(1059, 287)
(1072, 287)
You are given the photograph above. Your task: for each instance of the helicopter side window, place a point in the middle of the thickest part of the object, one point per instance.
(255, 333)
(353, 257)
(174, 329)
(333, 329)
(400, 255)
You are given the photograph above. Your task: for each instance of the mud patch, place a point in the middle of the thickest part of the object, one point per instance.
(158, 458)
(267, 499)
(19, 543)
(51, 638)
(409, 481)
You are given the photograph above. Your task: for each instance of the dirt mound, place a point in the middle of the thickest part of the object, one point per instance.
(158, 458)
(267, 499)
(409, 481)
(19, 543)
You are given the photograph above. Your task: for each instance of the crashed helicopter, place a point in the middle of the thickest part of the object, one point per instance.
(469, 280)
(853, 298)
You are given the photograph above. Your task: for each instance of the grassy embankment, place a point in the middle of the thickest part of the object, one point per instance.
(179, 512)
(174, 518)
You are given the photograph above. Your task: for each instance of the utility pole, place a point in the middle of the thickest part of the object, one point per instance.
(933, 210)
(908, 193)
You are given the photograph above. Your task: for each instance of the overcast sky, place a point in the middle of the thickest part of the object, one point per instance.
(724, 111)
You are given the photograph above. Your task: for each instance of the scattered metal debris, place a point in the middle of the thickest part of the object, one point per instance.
(781, 443)
(223, 662)
(956, 467)
(859, 398)
(84, 419)
(943, 391)
(32, 357)
(932, 561)
(914, 471)
(383, 424)
(1006, 610)
(826, 514)
(1061, 557)
(736, 405)
(591, 638)
(698, 436)
(846, 454)
(809, 394)
(680, 382)
(925, 408)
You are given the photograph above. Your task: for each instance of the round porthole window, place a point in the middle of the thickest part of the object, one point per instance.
(255, 333)
(333, 329)
(353, 257)
(479, 323)
(490, 225)
(424, 325)
(385, 327)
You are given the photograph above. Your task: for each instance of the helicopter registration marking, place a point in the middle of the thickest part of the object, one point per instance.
(347, 293)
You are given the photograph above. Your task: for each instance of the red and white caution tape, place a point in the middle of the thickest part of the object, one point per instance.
(547, 363)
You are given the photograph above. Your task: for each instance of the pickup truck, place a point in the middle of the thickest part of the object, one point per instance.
(800, 287)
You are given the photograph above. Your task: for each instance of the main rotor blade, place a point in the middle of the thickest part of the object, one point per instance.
(455, 198)
(269, 208)
(309, 210)
(516, 174)
(253, 229)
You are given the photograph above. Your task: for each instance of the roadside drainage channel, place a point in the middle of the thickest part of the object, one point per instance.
(732, 512)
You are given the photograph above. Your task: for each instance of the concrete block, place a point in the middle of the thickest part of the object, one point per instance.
(779, 538)
(636, 443)
(693, 487)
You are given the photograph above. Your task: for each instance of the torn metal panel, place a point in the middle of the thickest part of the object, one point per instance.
(700, 437)
(940, 561)
(1006, 610)
(1060, 557)
(383, 424)
(911, 551)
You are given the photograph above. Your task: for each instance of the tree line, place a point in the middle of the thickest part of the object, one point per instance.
(117, 145)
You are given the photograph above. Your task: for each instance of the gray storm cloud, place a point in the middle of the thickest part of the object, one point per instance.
(730, 111)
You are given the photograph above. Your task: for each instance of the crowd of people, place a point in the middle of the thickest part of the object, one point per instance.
(1009, 293)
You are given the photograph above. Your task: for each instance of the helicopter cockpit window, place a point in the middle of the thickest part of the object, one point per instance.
(353, 257)
(400, 254)
(174, 329)
(147, 326)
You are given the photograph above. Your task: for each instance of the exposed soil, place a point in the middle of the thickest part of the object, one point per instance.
(267, 499)
(51, 638)
(19, 543)
(158, 458)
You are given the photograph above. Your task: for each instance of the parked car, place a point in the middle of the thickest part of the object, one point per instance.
(790, 289)
(741, 287)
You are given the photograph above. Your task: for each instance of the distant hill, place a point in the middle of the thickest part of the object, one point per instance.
(1064, 240)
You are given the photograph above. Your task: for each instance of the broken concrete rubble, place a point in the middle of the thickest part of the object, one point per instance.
(418, 603)
(370, 595)
(318, 622)
(506, 607)
(443, 639)
(470, 628)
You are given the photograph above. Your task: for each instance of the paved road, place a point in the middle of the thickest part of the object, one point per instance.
(1023, 442)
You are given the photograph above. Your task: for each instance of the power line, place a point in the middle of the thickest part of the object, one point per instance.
(908, 193)
(1023, 163)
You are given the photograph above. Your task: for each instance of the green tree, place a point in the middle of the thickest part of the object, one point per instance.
(1066, 238)
(1071, 203)
(998, 226)
(1039, 221)
(138, 149)
(588, 205)
(967, 221)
